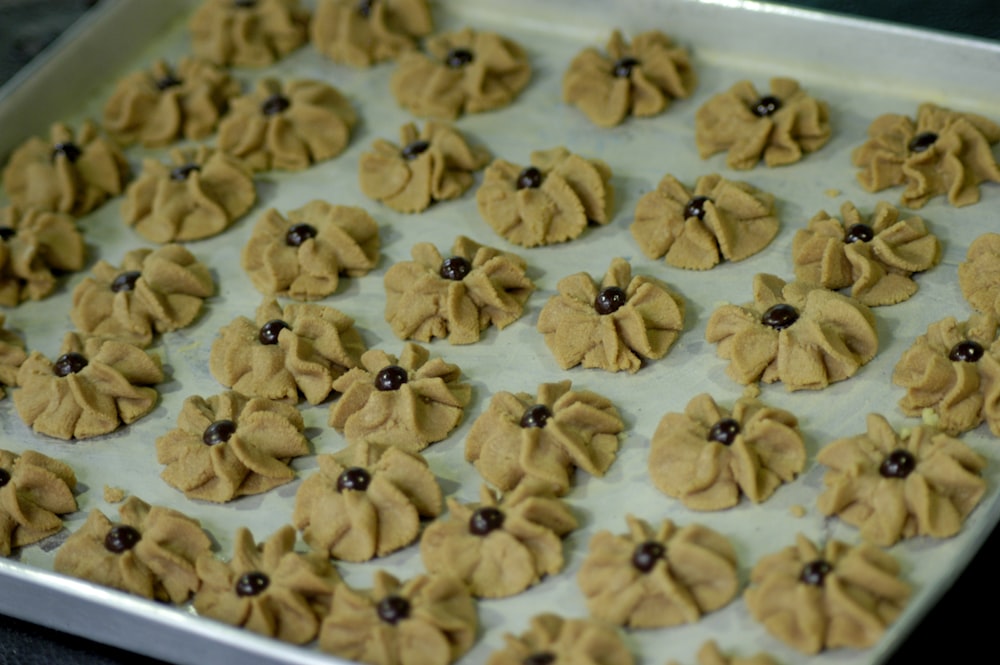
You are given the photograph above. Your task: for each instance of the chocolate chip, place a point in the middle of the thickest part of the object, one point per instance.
(354, 478)
(269, 331)
(859, 233)
(455, 268)
(535, 416)
(529, 178)
(121, 538)
(725, 431)
(696, 207)
(610, 300)
(393, 609)
(391, 377)
(168, 81)
(484, 520)
(6, 233)
(125, 281)
(539, 658)
(922, 141)
(68, 149)
(780, 316)
(274, 104)
(4, 477)
(182, 172)
(218, 432)
(251, 584)
(814, 572)
(765, 106)
(458, 57)
(898, 464)
(413, 149)
(298, 234)
(69, 363)
(966, 351)
(623, 67)
(647, 554)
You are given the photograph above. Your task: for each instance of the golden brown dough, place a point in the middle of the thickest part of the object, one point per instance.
(409, 402)
(163, 104)
(552, 639)
(247, 33)
(779, 127)
(12, 355)
(434, 164)
(719, 219)
(893, 486)
(33, 244)
(35, 490)
(840, 596)
(365, 32)
(197, 195)
(365, 501)
(979, 274)
(268, 587)
(288, 126)
(154, 291)
(303, 256)
(499, 548)
(430, 619)
(798, 333)
(617, 325)
(709, 456)
(522, 436)
(550, 201)
(954, 370)
(229, 446)
(710, 654)
(455, 297)
(150, 552)
(91, 389)
(301, 348)
(653, 578)
(70, 172)
(941, 152)
(876, 256)
(640, 78)
(462, 72)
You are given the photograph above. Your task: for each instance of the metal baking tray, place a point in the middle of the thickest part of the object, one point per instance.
(861, 68)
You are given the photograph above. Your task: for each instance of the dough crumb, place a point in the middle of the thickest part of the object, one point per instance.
(113, 494)
(797, 511)
(832, 193)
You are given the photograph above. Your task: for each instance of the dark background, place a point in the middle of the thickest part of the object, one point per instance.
(27, 26)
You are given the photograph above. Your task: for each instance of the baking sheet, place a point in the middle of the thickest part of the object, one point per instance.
(833, 58)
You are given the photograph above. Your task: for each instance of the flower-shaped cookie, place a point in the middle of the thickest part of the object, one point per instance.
(267, 588)
(287, 126)
(614, 326)
(70, 172)
(409, 402)
(431, 619)
(954, 370)
(365, 501)
(552, 639)
(979, 274)
(154, 291)
(12, 355)
(500, 548)
(229, 445)
(365, 32)
(800, 334)
(653, 578)
(199, 194)
(455, 297)
(434, 164)
(91, 389)
(720, 219)
(150, 552)
(522, 436)
(840, 596)
(301, 348)
(708, 456)
(710, 654)
(875, 257)
(164, 104)
(303, 256)
(893, 486)
(33, 244)
(548, 202)
(942, 152)
(639, 78)
(462, 72)
(779, 128)
(34, 491)
(247, 33)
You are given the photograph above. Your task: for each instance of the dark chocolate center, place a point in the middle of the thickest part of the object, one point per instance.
(391, 377)
(251, 584)
(168, 81)
(765, 106)
(725, 431)
(354, 478)
(218, 432)
(393, 609)
(485, 520)
(455, 268)
(298, 234)
(274, 104)
(245, 4)
(529, 178)
(69, 363)
(780, 316)
(859, 233)
(609, 300)
(696, 207)
(814, 572)
(966, 351)
(412, 150)
(898, 464)
(68, 149)
(623, 67)
(647, 554)
(458, 57)
(6, 233)
(539, 658)
(269, 331)
(121, 538)
(4, 477)
(125, 281)
(365, 7)
(536, 416)
(922, 141)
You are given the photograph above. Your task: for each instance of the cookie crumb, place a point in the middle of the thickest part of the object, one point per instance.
(797, 511)
(832, 193)
(113, 494)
